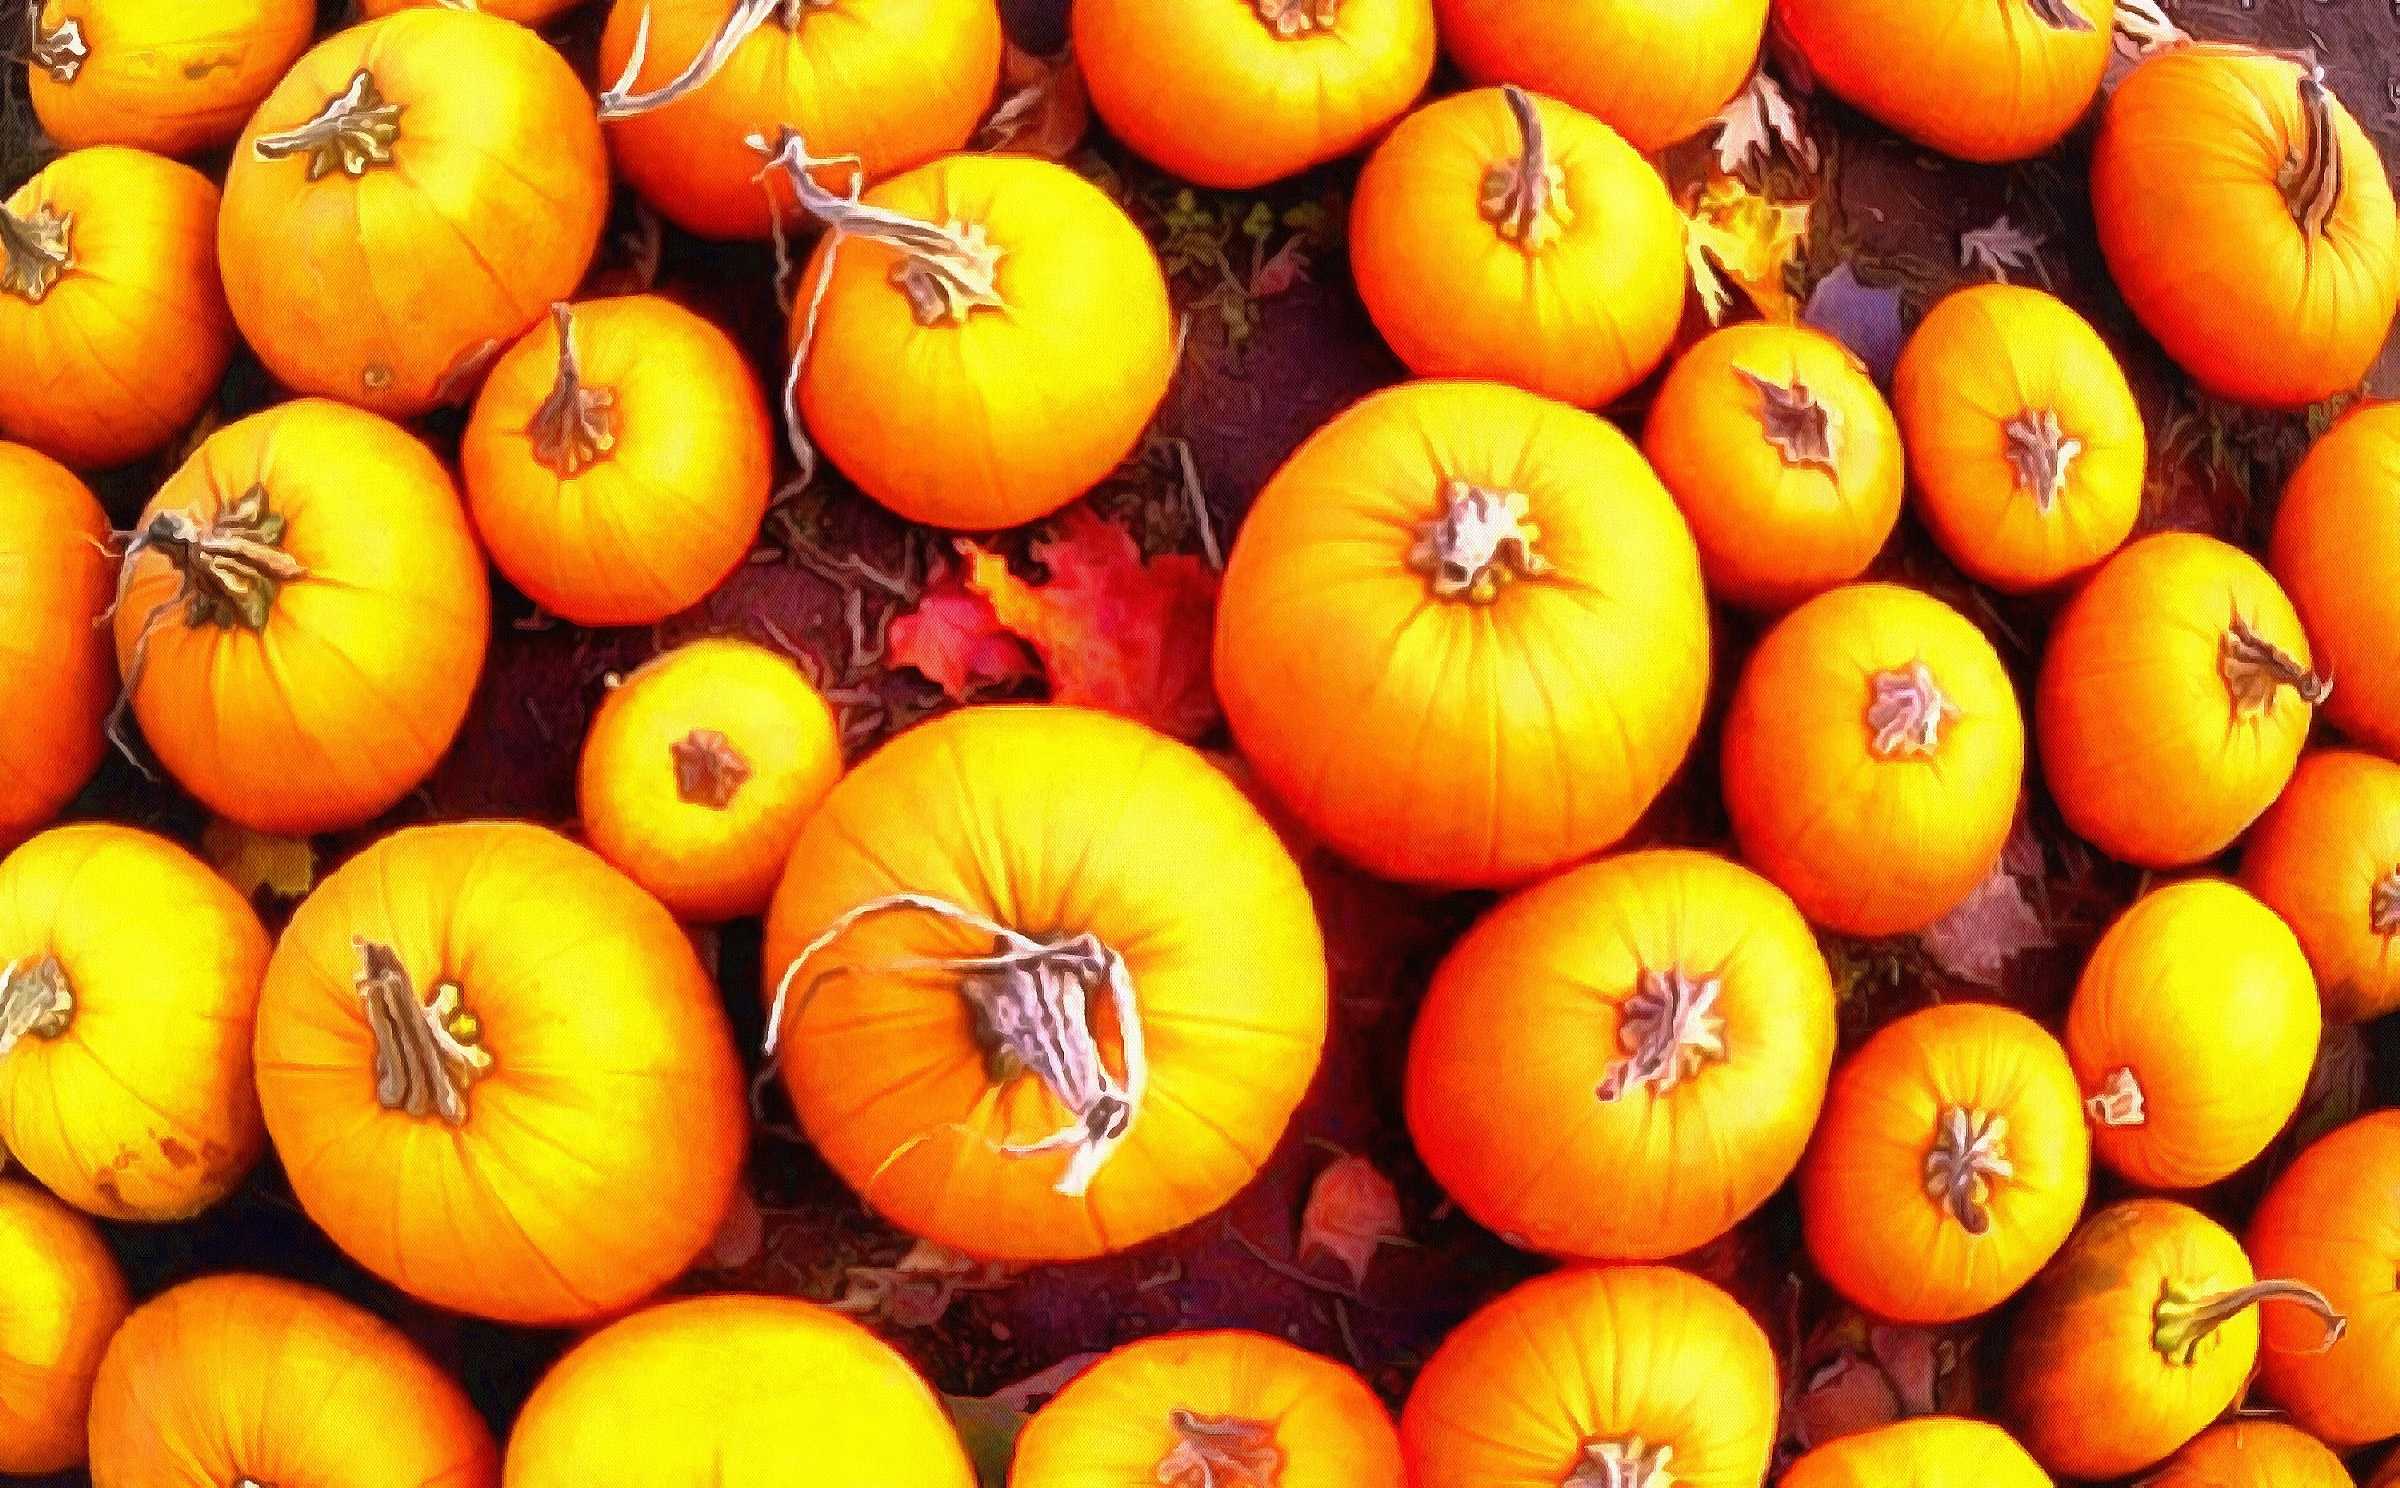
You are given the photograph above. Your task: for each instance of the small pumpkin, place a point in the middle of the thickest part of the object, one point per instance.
(619, 460)
(164, 75)
(54, 662)
(1410, 640)
(63, 1296)
(1926, 1452)
(529, 1116)
(113, 327)
(1783, 456)
(1655, 73)
(1596, 1378)
(301, 618)
(413, 195)
(1244, 92)
(1623, 1062)
(1891, 707)
(2253, 156)
(129, 974)
(2026, 444)
(700, 769)
(2326, 857)
(1044, 984)
(2255, 1454)
(1950, 1165)
(2332, 1220)
(2331, 551)
(1207, 1409)
(2174, 698)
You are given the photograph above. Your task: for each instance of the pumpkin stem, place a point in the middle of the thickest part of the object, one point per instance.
(354, 130)
(35, 1002)
(2254, 667)
(709, 771)
(2041, 454)
(1803, 430)
(1906, 712)
(35, 251)
(2119, 1103)
(2058, 15)
(1288, 18)
(1478, 544)
(2383, 905)
(61, 52)
(1630, 1463)
(2182, 1322)
(743, 19)
(576, 426)
(1526, 198)
(1670, 1030)
(1969, 1157)
(948, 270)
(2313, 175)
(427, 1054)
(1220, 1452)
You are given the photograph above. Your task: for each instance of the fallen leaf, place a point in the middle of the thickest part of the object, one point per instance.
(285, 867)
(1285, 267)
(954, 637)
(917, 1290)
(1759, 121)
(1043, 108)
(1841, 1396)
(1992, 927)
(1735, 234)
(1864, 317)
(740, 1237)
(1352, 1212)
(990, 1424)
(2001, 248)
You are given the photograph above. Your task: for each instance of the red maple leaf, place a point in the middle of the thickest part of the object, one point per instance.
(954, 638)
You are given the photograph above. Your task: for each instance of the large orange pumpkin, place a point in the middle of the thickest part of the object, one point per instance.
(164, 75)
(1654, 70)
(129, 974)
(2254, 1454)
(2326, 857)
(1044, 983)
(1625, 1061)
(498, 1076)
(54, 662)
(61, 1299)
(1462, 635)
(2332, 551)
(1926, 1452)
(410, 198)
(2332, 1220)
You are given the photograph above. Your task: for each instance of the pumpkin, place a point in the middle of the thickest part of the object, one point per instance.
(2252, 156)
(2254, 1454)
(618, 461)
(2026, 444)
(527, 12)
(1927, 1451)
(1499, 235)
(890, 84)
(1238, 93)
(1656, 73)
(301, 618)
(1462, 635)
(2326, 857)
(62, 1298)
(2140, 1333)
(128, 977)
(164, 75)
(54, 663)
(1593, 1378)
(700, 769)
(2331, 552)
(1624, 1061)
(113, 327)
(249, 1379)
(1207, 1409)
(2332, 1220)
(735, 1392)
(410, 198)
(1999, 80)
(2174, 698)
(1784, 458)
(2192, 1032)
(529, 1116)
(1044, 984)
(1892, 708)
(1950, 1165)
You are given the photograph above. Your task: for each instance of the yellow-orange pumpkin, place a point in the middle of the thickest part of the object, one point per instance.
(54, 661)
(61, 1299)
(2256, 1454)
(2326, 857)
(174, 76)
(2331, 552)
(1654, 70)
(2329, 1220)
(1925, 1452)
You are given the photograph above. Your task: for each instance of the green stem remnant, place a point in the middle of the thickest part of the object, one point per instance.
(1479, 543)
(2183, 1321)
(1969, 1159)
(1525, 199)
(427, 1054)
(355, 130)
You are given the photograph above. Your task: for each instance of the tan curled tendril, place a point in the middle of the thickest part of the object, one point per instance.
(36, 1001)
(743, 19)
(354, 131)
(2254, 667)
(2185, 1320)
(1626, 1463)
(2119, 1101)
(1907, 712)
(1968, 1160)
(427, 1054)
(1525, 199)
(1480, 542)
(1803, 430)
(576, 426)
(2041, 454)
(1669, 1030)
(1220, 1452)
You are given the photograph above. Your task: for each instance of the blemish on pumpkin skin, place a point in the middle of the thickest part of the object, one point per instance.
(176, 1153)
(201, 67)
(376, 378)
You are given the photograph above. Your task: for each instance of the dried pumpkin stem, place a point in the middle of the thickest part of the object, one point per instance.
(2059, 15)
(1289, 18)
(576, 426)
(2119, 1103)
(1907, 711)
(36, 251)
(59, 52)
(1628, 1463)
(2254, 667)
(948, 270)
(1803, 431)
(1525, 199)
(743, 19)
(1670, 1030)
(355, 130)
(1479, 543)
(709, 771)
(1969, 1159)
(2313, 175)
(1220, 1452)
(36, 1001)
(427, 1054)
(2182, 1322)
(2041, 454)
(2383, 905)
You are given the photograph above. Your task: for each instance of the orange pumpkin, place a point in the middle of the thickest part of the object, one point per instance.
(302, 617)
(410, 198)
(164, 75)
(2254, 1454)
(1211, 1408)
(619, 460)
(1784, 458)
(2332, 1220)
(1625, 1061)
(2332, 551)
(108, 258)
(63, 1297)
(2174, 698)
(248, 1379)
(2027, 447)
(1044, 983)
(1238, 93)
(54, 663)
(1633, 1375)
(1656, 73)
(1411, 638)
(1950, 1165)
(1926, 1452)
(2326, 857)
(526, 12)
(2252, 157)
(890, 84)
(129, 974)
(700, 769)
(530, 1116)
(1890, 708)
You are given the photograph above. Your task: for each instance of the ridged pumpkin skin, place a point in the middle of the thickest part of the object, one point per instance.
(357, 674)
(1784, 458)
(1654, 70)
(2326, 857)
(1890, 708)
(54, 661)
(164, 75)
(2024, 441)
(1589, 1364)
(1923, 1452)
(2332, 1219)
(1053, 823)
(526, 12)
(2255, 1454)
(1923, 1091)
(1572, 290)
(1623, 1062)
(735, 1392)
(1437, 712)
(593, 1151)
(393, 287)
(2173, 700)
(1252, 1399)
(628, 493)
(233, 1379)
(2329, 552)
(126, 345)
(61, 1299)
(699, 771)
(2193, 149)
(1238, 93)
(134, 1100)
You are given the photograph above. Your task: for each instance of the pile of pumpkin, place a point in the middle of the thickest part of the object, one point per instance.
(1043, 983)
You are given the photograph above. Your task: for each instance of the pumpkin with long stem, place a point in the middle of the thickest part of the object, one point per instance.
(63, 1296)
(165, 75)
(1924, 1452)
(2331, 551)
(2257, 1454)
(1656, 73)
(2326, 857)
(54, 661)
(2332, 1220)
